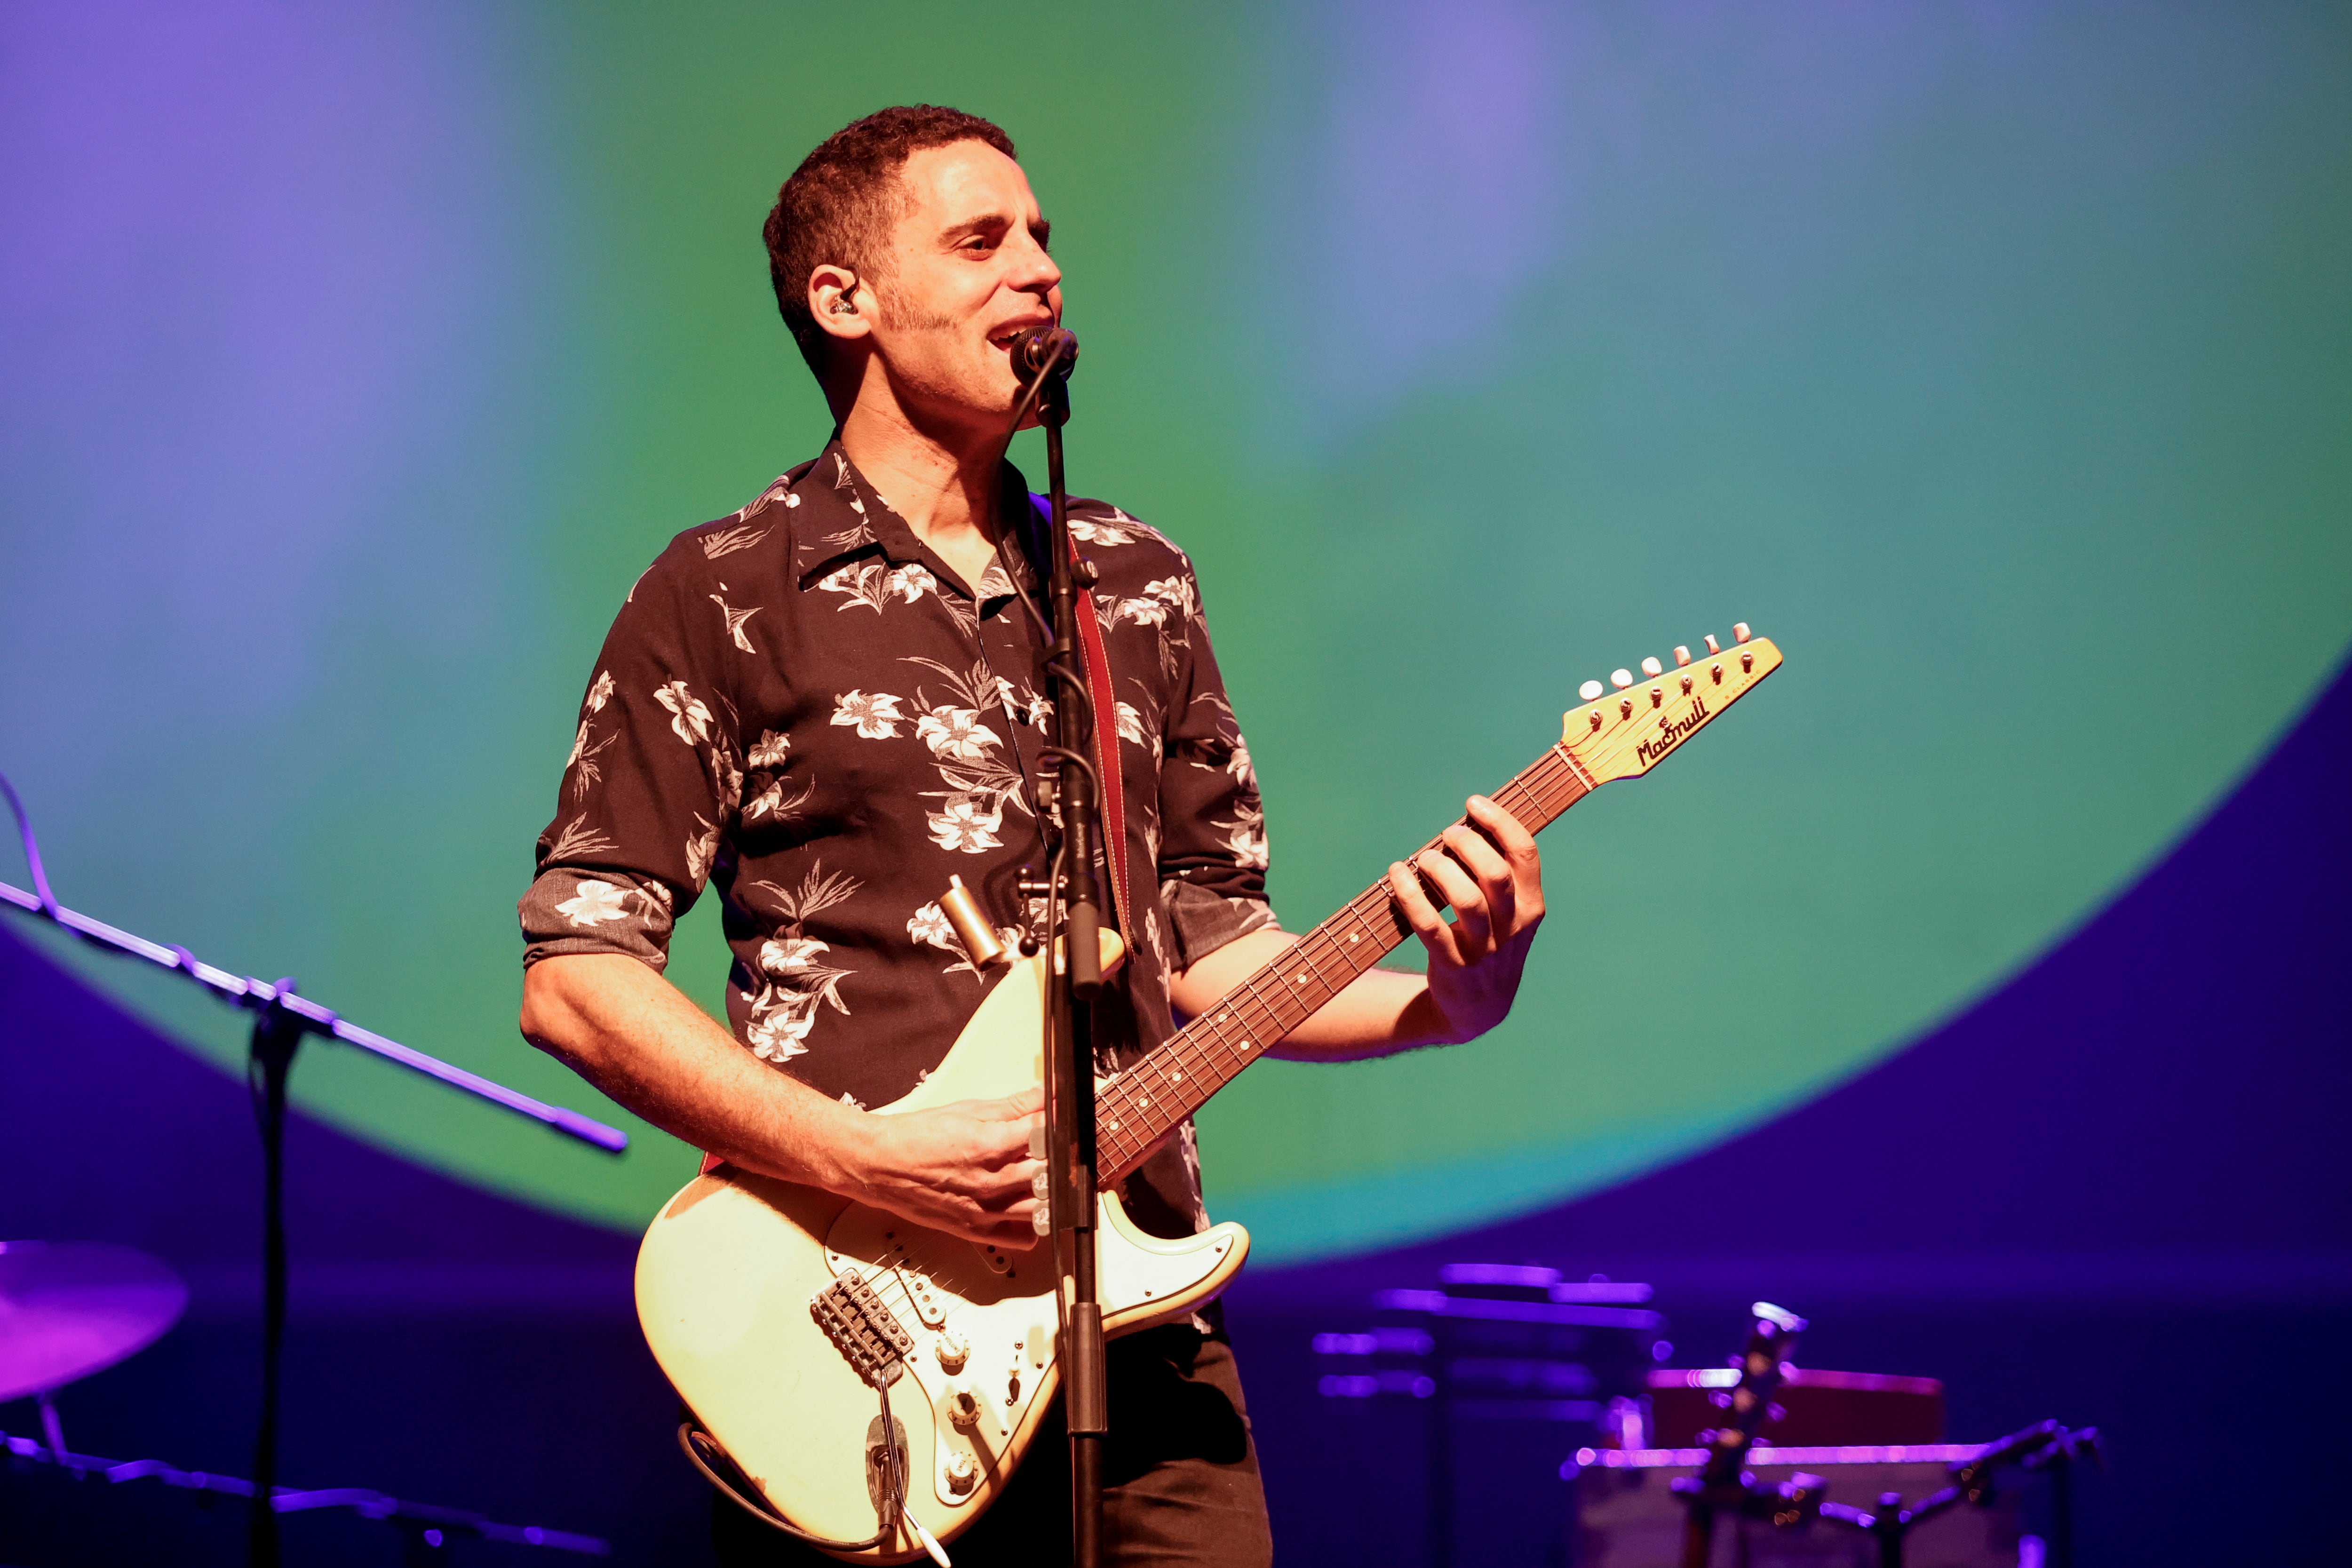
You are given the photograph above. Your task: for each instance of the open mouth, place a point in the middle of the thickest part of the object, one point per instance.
(1002, 337)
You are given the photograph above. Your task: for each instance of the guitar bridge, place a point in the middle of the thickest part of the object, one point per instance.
(860, 1327)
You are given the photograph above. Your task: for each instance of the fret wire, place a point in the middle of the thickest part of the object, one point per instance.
(1269, 1004)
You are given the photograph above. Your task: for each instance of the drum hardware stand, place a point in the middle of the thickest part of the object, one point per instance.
(2044, 1445)
(1724, 1485)
(2058, 1456)
(281, 1020)
(52, 1429)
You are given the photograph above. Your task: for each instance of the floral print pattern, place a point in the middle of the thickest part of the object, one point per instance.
(803, 710)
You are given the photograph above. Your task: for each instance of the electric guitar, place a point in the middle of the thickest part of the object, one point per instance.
(873, 1383)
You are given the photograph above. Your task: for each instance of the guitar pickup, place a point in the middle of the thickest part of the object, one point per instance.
(854, 1318)
(918, 1292)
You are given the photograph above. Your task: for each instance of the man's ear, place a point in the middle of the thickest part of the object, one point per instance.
(840, 302)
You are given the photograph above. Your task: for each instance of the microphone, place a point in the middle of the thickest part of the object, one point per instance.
(1034, 350)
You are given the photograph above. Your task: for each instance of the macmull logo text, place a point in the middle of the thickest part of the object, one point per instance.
(1671, 732)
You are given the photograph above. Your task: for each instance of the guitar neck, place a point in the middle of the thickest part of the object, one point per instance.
(1136, 1109)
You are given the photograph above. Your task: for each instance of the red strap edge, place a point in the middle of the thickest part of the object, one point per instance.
(1114, 801)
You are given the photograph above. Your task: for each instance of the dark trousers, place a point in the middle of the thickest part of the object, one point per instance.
(1179, 1471)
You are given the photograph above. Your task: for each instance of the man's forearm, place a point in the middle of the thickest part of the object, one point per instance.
(1379, 1012)
(636, 1037)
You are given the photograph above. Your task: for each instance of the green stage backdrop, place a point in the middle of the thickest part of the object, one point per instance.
(1995, 360)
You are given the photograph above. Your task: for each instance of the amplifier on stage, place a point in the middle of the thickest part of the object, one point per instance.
(1628, 1516)
(1810, 1409)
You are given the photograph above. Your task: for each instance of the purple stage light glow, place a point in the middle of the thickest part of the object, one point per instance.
(249, 241)
(1432, 189)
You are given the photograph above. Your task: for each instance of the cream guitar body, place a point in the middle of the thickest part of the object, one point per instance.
(780, 1312)
(730, 1270)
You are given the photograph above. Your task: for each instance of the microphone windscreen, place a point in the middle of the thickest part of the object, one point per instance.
(1034, 349)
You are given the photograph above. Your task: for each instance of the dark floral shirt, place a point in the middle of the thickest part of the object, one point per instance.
(804, 708)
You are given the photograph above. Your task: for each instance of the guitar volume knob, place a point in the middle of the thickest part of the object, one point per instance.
(953, 1352)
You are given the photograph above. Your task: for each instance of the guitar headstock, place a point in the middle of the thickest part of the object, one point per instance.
(1618, 734)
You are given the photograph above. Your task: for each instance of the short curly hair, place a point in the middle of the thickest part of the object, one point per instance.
(840, 205)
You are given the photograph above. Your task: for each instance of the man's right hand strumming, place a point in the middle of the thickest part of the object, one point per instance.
(965, 1168)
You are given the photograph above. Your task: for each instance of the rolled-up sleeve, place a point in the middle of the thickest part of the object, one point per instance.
(654, 775)
(1212, 849)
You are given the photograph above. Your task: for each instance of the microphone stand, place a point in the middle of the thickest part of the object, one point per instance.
(281, 1021)
(1075, 980)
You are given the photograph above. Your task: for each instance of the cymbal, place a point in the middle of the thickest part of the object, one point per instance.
(72, 1308)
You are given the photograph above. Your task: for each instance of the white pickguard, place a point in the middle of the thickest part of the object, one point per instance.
(728, 1271)
(1009, 1337)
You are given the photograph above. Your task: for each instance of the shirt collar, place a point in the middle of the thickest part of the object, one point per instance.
(841, 516)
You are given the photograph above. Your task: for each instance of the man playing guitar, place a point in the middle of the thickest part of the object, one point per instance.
(824, 705)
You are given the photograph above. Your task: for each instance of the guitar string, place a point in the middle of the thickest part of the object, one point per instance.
(1540, 785)
(1535, 789)
(1555, 777)
(1550, 785)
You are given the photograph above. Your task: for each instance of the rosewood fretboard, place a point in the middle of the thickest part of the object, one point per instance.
(1139, 1107)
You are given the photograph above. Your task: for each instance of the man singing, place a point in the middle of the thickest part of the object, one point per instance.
(827, 704)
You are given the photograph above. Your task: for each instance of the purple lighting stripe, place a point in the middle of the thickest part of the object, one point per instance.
(1440, 1304)
(250, 993)
(1669, 1458)
(365, 1501)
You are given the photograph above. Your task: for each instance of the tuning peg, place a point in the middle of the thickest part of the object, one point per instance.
(1621, 678)
(1652, 668)
(1589, 690)
(1712, 645)
(1682, 654)
(1739, 631)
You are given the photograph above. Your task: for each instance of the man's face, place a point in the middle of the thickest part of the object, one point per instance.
(967, 273)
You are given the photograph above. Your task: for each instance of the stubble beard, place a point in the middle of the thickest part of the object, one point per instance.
(980, 399)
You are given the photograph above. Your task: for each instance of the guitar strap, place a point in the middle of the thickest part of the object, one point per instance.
(1105, 734)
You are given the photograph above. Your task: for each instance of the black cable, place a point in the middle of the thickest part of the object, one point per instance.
(691, 1438)
(1020, 411)
(1077, 760)
(1051, 1109)
(32, 850)
(895, 1482)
